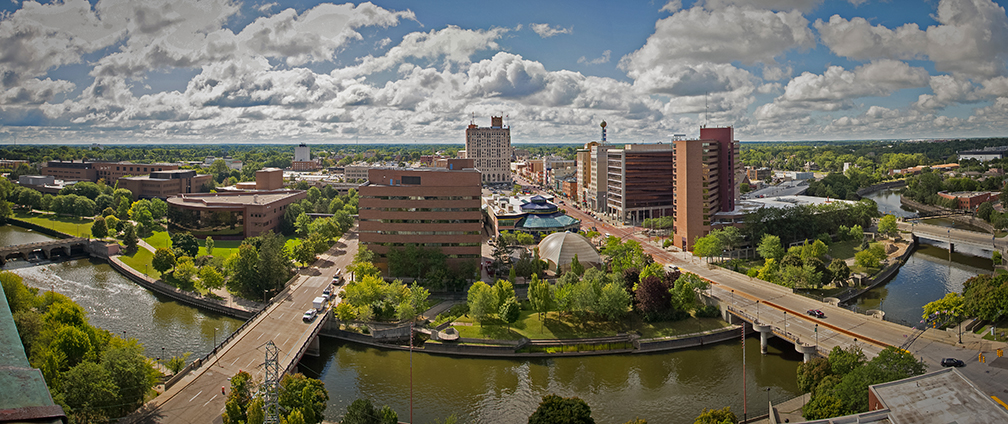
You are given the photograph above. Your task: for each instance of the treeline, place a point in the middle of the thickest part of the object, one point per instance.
(808, 222)
(924, 188)
(94, 375)
(839, 383)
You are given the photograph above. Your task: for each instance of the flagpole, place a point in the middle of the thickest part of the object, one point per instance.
(411, 373)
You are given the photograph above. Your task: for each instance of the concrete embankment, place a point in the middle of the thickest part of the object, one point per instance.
(882, 186)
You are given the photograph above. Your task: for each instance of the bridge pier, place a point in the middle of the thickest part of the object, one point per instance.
(765, 331)
(313, 347)
(809, 352)
(951, 247)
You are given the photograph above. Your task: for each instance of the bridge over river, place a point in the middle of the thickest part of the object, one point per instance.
(954, 236)
(197, 397)
(66, 246)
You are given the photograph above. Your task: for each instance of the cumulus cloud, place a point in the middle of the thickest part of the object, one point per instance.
(546, 31)
(599, 60)
(783, 5)
(971, 38)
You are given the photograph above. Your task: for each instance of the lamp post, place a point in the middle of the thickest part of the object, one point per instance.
(757, 311)
(768, 397)
(162, 354)
(817, 338)
(785, 323)
(215, 337)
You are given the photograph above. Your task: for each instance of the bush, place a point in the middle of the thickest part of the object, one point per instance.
(709, 311)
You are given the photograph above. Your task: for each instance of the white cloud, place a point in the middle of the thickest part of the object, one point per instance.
(835, 88)
(546, 31)
(599, 60)
(672, 6)
(948, 90)
(267, 7)
(781, 5)
(971, 38)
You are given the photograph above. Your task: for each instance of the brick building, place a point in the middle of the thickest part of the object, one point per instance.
(490, 150)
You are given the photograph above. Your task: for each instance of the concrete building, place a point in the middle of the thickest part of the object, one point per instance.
(706, 182)
(990, 153)
(71, 171)
(970, 200)
(599, 178)
(426, 207)
(302, 153)
(640, 182)
(112, 171)
(269, 179)
(164, 184)
(356, 172)
(490, 150)
(583, 157)
(758, 174)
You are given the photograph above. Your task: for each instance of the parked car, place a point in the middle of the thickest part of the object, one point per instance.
(327, 291)
(816, 313)
(952, 362)
(309, 315)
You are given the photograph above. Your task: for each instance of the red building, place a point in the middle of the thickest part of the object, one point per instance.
(971, 199)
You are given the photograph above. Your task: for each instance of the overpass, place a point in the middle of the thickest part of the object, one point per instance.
(196, 396)
(954, 236)
(66, 246)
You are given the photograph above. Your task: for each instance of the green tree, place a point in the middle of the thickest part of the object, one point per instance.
(576, 266)
(716, 416)
(482, 301)
(839, 271)
(503, 290)
(131, 373)
(163, 260)
(185, 270)
(158, 209)
(866, 259)
(89, 391)
(209, 244)
(524, 238)
(540, 295)
(303, 394)
(984, 211)
(185, 243)
(130, 237)
(509, 311)
(123, 210)
(98, 229)
(255, 412)
(554, 409)
(707, 246)
(887, 225)
(5, 211)
(812, 372)
(362, 411)
(238, 399)
(304, 253)
(770, 247)
(613, 302)
(951, 306)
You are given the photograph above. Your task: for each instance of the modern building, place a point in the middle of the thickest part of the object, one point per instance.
(535, 215)
(640, 182)
(71, 171)
(583, 176)
(426, 207)
(559, 250)
(302, 153)
(490, 150)
(233, 214)
(706, 181)
(112, 171)
(598, 182)
(987, 154)
(164, 184)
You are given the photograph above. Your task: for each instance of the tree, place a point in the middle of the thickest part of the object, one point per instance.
(89, 391)
(362, 411)
(503, 290)
(716, 416)
(653, 298)
(576, 266)
(509, 311)
(887, 225)
(83, 206)
(131, 373)
(304, 253)
(560, 410)
(130, 237)
(839, 270)
(482, 301)
(811, 373)
(303, 394)
(209, 244)
(770, 247)
(5, 211)
(184, 271)
(950, 306)
(984, 211)
(122, 212)
(866, 259)
(242, 267)
(186, 243)
(524, 238)
(707, 246)
(163, 260)
(158, 209)
(540, 295)
(238, 399)
(98, 229)
(614, 301)
(210, 277)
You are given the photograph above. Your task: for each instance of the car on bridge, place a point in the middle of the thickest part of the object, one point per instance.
(952, 362)
(816, 313)
(309, 315)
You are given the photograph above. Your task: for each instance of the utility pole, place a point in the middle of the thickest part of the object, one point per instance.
(271, 384)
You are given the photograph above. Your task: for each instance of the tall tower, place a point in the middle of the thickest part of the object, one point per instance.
(603, 125)
(490, 150)
(705, 182)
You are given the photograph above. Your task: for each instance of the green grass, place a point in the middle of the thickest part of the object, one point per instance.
(141, 261)
(843, 249)
(74, 226)
(999, 328)
(569, 326)
(159, 240)
(222, 248)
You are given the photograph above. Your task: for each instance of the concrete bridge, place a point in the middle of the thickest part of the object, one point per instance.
(66, 246)
(196, 397)
(954, 237)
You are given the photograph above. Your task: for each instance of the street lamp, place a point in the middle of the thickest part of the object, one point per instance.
(215, 337)
(785, 323)
(757, 311)
(817, 338)
(768, 397)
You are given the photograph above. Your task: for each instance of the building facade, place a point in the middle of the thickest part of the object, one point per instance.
(583, 157)
(490, 150)
(164, 184)
(706, 181)
(640, 182)
(247, 213)
(302, 153)
(426, 207)
(599, 179)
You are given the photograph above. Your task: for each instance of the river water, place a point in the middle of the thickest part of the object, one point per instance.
(116, 304)
(671, 387)
(928, 274)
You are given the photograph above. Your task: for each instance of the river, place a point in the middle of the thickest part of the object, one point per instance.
(928, 274)
(671, 387)
(118, 305)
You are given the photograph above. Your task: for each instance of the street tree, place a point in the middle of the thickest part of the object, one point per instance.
(887, 225)
(185, 243)
(770, 247)
(163, 260)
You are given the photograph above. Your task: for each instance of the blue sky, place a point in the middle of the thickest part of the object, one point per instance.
(220, 71)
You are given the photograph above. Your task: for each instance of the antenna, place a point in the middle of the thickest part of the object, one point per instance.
(706, 110)
(472, 120)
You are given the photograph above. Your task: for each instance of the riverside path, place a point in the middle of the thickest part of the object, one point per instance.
(197, 397)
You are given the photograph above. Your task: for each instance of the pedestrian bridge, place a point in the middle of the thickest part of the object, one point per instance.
(67, 247)
(955, 237)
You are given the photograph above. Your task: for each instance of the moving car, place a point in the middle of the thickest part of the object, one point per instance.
(309, 315)
(952, 362)
(816, 313)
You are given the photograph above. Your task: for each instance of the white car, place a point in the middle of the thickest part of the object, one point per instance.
(309, 315)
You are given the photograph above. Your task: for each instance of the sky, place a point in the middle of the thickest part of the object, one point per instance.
(225, 71)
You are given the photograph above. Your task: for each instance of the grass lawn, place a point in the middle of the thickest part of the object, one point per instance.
(159, 239)
(222, 248)
(557, 326)
(1000, 327)
(843, 249)
(141, 261)
(74, 226)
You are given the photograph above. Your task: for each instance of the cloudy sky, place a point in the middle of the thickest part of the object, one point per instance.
(217, 71)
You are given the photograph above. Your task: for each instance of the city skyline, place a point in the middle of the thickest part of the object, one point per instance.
(400, 72)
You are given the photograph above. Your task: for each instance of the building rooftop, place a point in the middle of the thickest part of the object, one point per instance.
(944, 396)
(230, 200)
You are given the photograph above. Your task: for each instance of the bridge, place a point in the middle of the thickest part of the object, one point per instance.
(953, 236)
(66, 246)
(196, 397)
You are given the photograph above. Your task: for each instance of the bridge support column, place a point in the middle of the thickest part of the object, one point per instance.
(808, 351)
(765, 331)
(313, 347)
(951, 247)
(47, 252)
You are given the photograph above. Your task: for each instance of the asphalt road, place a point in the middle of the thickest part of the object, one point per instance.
(197, 398)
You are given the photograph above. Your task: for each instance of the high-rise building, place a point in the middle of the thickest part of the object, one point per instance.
(490, 150)
(639, 182)
(584, 174)
(427, 207)
(599, 178)
(706, 181)
(302, 153)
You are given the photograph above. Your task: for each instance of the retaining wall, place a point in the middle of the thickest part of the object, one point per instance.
(707, 337)
(882, 186)
(35, 227)
(883, 276)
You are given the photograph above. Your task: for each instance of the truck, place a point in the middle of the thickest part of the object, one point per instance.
(318, 303)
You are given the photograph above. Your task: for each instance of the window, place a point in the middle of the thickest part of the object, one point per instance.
(412, 180)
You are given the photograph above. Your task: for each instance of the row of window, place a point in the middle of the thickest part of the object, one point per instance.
(423, 197)
(425, 233)
(426, 244)
(425, 209)
(425, 221)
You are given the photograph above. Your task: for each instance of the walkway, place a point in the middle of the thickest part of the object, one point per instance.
(197, 397)
(955, 236)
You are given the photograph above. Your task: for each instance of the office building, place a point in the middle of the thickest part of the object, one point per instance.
(490, 150)
(164, 184)
(426, 207)
(639, 182)
(706, 181)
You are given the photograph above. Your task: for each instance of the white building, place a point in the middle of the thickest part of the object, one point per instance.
(302, 153)
(490, 150)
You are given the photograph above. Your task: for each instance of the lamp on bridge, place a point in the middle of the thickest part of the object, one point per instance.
(757, 311)
(215, 337)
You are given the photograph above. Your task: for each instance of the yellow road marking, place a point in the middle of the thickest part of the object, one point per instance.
(999, 401)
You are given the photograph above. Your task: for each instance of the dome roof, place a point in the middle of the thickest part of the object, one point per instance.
(559, 248)
(537, 205)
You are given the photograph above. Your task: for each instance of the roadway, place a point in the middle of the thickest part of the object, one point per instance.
(197, 398)
(786, 313)
(954, 235)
